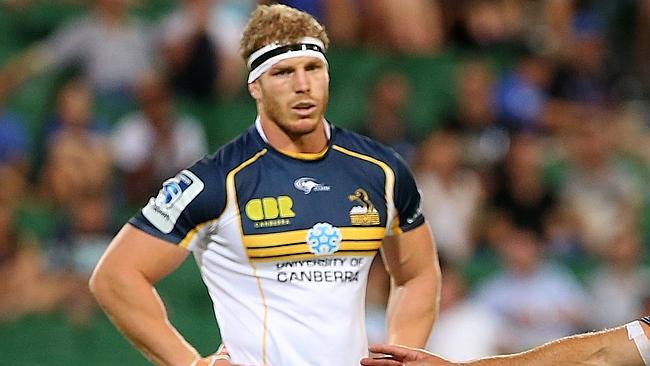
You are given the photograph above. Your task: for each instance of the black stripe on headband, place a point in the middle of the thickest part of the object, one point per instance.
(284, 49)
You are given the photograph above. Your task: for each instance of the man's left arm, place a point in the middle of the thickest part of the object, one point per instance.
(412, 262)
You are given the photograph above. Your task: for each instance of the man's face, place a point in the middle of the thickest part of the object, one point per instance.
(293, 94)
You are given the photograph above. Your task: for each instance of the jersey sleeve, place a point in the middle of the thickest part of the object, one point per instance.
(407, 199)
(186, 202)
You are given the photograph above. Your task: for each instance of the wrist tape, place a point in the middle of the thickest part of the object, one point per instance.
(635, 333)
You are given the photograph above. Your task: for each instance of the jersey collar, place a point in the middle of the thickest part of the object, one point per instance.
(300, 156)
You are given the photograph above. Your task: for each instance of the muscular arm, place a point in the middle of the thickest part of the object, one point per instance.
(609, 347)
(412, 263)
(123, 285)
(606, 348)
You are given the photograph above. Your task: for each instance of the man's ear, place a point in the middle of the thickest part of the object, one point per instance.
(254, 90)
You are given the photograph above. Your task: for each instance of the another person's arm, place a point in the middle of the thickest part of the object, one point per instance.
(611, 347)
(412, 263)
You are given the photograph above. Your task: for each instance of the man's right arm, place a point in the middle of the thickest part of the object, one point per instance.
(610, 347)
(123, 285)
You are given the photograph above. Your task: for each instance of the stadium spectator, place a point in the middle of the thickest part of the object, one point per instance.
(642, 45)
(26, 286)
(200, 46)
(485, 141)
(110, 46)
(14, 140)
(537, 300)
(447, 186)
(153, 143)
(343, 18)
(601, 191)
(76, 179)
(522, 94)
(583, 76)
(622, 277)
(408, 27)
(521, 190)
(386, 121)
(466, 329)
(78, 162)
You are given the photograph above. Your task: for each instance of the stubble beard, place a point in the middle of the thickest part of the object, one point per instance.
(288, 122)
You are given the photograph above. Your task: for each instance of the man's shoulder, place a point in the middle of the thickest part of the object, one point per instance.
(365, 145)
(235, 152)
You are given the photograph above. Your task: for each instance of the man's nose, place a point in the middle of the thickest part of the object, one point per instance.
(301, 81)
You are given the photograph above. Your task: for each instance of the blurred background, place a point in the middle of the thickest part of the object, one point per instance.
(525, 123)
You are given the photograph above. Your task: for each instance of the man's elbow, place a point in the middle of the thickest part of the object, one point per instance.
(102, 281)
(97, 281)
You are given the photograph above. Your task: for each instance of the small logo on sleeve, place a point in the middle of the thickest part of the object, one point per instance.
(176, 193)
(170, 192)
(416, 215)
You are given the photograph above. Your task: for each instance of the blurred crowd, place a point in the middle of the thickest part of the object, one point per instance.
(534, 182)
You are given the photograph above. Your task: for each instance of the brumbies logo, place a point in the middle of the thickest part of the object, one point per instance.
(306, 185)
(365, 213)
(324, 239)
(164, 210)
(170, 192)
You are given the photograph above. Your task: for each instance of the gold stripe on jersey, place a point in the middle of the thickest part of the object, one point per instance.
(275, 251)
(185, 243)
(303, 248)
(303, 256)
(187, 240)
(231, 195)
(230, 178)
(300, 236)
(396, 229)
(389, 185)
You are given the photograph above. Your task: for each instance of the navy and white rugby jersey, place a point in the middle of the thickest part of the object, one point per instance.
(284, 241)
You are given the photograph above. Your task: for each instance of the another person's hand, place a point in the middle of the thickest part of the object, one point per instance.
(212, 361)
(403, 356)
(219, 358)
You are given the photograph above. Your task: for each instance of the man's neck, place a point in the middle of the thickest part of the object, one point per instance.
(309, 143)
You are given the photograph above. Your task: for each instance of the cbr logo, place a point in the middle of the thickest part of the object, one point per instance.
(269, 208)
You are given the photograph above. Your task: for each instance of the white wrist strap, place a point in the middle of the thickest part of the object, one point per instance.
(635, 333)
(213, 360)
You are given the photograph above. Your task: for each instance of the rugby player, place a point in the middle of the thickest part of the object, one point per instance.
(283, 222)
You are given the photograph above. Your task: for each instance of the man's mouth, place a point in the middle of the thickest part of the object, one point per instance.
(304, 108)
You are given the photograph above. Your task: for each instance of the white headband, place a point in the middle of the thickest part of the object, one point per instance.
(273, 53)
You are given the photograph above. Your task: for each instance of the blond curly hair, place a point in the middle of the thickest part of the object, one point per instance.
(278, 23)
